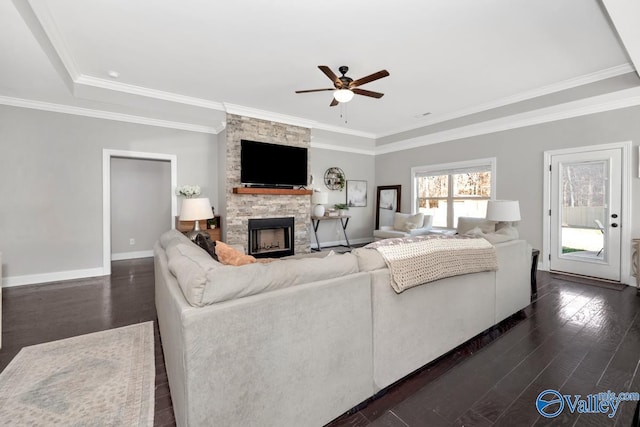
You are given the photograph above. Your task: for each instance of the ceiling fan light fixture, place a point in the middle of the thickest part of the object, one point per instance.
(343, 95)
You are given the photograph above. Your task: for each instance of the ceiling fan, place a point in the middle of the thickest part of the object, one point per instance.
(345, 87)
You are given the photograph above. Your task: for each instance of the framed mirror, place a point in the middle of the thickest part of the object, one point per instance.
(387, 202)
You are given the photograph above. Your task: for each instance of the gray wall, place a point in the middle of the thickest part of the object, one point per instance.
(51, 183)
(140, 204)
(356, 167)
(51, 176)
(520, 160)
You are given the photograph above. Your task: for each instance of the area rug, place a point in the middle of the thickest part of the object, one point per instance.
(105, 378)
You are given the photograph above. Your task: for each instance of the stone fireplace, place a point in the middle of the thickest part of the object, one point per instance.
(271, 237)
(240, 208)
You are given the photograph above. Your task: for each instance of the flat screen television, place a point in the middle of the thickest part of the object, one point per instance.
(272, 165)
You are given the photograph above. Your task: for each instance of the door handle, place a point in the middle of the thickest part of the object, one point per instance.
(614, 225)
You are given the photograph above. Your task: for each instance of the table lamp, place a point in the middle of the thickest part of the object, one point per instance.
(195, 210)
(507, 211)
(319, 198)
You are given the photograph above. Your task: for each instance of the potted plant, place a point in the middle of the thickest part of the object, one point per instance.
(341, 207)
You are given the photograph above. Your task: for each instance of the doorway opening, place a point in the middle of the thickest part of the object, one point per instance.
(107, 156)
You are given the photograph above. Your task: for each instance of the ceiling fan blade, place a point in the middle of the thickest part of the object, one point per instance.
(371, 77)
(367, 93)
(314, 90)
(327, 71)
(334, 102)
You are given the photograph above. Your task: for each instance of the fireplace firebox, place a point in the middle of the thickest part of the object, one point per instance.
(271, 237)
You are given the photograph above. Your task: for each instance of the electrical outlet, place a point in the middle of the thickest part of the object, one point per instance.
(132, 241)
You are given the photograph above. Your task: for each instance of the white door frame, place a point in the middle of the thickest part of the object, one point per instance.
(107, 155)
(625, 213)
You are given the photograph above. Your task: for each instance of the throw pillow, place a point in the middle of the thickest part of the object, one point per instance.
(400, 220)
(466, 224)
(408, 226)
(230, 256)
(205, 242)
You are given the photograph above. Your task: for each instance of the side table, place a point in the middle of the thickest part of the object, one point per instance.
(534, 270)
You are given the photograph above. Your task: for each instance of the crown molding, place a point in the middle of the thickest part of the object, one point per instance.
(345, 131)
(255, 113)
(343, 148)
(597, 104)
(86, 80)
(523, 96)
(106, 115)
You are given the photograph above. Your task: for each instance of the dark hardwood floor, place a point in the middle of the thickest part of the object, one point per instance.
(577, 338)
(35, 314)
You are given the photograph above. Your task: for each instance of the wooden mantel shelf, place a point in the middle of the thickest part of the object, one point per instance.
(272, 191)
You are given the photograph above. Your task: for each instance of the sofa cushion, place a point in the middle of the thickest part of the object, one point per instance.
(190, 265)
(389, 234)
(407, 222)
(228, 282)
(172, 237)
(466, 224)
(314, 254)
(369, 259)
(505, 234)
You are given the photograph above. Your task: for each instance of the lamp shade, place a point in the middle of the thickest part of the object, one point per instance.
(196, 209)
(343, 95)
(503, 210)
(319, 198)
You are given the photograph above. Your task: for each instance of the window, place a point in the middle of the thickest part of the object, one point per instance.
(453, 190)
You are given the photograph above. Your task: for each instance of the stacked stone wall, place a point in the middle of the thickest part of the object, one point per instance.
(241, 207)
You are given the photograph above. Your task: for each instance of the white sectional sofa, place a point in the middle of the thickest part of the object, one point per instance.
(301, 341)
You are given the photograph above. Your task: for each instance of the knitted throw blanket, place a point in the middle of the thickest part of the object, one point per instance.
(421, 259)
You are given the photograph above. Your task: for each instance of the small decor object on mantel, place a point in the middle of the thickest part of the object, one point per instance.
(335, 179)
(188, 191)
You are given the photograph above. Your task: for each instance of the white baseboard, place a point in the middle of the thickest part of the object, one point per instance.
(32, 279)
(342, 242)
(131, 255)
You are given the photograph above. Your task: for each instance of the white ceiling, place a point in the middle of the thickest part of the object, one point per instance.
(188, 61)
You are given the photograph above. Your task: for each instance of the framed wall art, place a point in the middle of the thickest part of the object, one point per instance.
(356, 194)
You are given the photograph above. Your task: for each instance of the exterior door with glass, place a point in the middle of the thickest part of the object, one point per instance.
(586, 201)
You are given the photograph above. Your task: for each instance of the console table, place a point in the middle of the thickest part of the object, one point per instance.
(344, 220)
